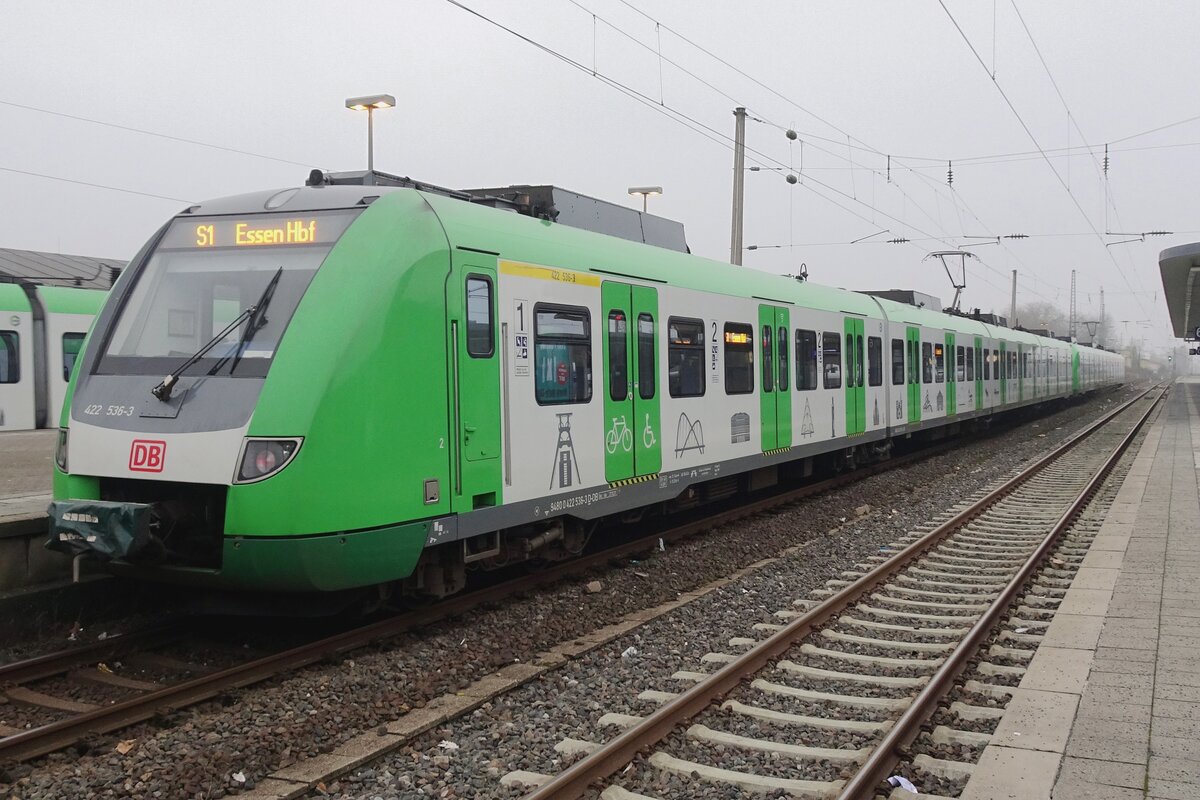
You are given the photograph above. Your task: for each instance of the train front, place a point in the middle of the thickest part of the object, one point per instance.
(227, 405)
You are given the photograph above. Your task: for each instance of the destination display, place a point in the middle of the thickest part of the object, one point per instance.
(261, 230)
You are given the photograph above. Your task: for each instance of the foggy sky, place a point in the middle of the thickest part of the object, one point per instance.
(479, 107)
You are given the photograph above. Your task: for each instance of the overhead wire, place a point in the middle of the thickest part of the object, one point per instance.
(93, 185)
(1037, 144)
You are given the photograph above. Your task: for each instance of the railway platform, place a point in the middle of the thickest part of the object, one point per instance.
(1109, 708)
(26, 459)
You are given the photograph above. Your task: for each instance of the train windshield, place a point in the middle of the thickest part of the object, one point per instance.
(204, 276)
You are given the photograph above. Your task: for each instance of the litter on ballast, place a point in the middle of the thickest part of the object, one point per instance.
(903, 782)
(630, 652)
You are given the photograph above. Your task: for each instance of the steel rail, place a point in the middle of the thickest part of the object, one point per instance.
(57, 735)
(616, 754)
(56, 663)
(884, 756)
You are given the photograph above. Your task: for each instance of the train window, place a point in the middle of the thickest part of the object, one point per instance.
(858, 360)
(71, 344)
(645, 344)
(10, 357)
(1024, 365)
(970, 362)
(831, 356)
(685, 357)
(939, 364)
(739, 358)
(782, 347)
(926, 362)
(960, 364)
(481, 339)
(562, 352)
(874, 361)
(806, 360)
(767, 365)
(897, 362)
(618, 355)
(987, 363)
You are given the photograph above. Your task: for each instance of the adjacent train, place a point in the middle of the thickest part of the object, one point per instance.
(42, 329)
(334, 387)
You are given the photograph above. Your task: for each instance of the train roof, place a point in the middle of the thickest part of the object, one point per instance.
(68, 300)
(12, 298)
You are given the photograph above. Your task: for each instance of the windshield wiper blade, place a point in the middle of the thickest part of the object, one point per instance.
(163, 390)
(258, 319)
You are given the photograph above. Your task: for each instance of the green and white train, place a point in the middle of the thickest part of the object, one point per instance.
(387, 387)
(41, 332)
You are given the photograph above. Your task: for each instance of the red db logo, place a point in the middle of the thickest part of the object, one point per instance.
(147, 455)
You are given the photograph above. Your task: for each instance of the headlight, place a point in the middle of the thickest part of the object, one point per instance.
(60, 452)
(262, 458)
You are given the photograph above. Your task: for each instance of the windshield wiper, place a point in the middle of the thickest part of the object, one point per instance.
(258, 321)
(163, 390)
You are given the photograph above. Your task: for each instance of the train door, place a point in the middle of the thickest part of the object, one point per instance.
(631, 406)
(978, 373)
(1076, 384)
(856, 396)
(475, 368)
(775, 399)
(1002, 374)
(913, 340)
(952, 367)
(1020, 372)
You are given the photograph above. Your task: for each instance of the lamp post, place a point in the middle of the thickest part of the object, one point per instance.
(645, 192)
(369, 103)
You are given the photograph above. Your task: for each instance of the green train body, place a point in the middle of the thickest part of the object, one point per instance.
(435, 385)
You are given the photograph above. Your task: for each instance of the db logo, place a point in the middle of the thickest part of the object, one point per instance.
(147, 455)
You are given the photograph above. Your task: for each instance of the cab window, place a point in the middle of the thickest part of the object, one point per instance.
(71, 344)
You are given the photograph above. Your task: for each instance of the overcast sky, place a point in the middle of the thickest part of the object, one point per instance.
(478, 106)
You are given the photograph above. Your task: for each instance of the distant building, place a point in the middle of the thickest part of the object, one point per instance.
(57, 269)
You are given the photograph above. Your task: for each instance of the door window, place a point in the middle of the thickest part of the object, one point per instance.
(897, 362)
(783, 359)
(646, 372)
(480, 326)
(618, 356)
(767, 365)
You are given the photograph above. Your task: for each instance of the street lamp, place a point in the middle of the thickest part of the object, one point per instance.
(369, 103)
(645, 191)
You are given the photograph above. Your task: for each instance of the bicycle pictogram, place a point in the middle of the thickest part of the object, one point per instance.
(619, 435)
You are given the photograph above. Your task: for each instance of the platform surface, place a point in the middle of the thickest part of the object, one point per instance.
(26, 469)
(1110, 705)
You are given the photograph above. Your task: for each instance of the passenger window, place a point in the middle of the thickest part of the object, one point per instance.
(926, 362)
(939, 363)
(562, 352)
(806, 360)
(618, 356)
(71, 344)
(685, 357)
(874, 361)
(739, 358)
(987, 364)
(480, 335)
(767, 365)
(831, 356)
(897, 362)
(970, 363)
(959, 365)
(10, 357)
(646, 372)
(783, 359)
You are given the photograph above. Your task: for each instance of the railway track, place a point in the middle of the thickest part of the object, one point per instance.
(166, 683)
(864, 667)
